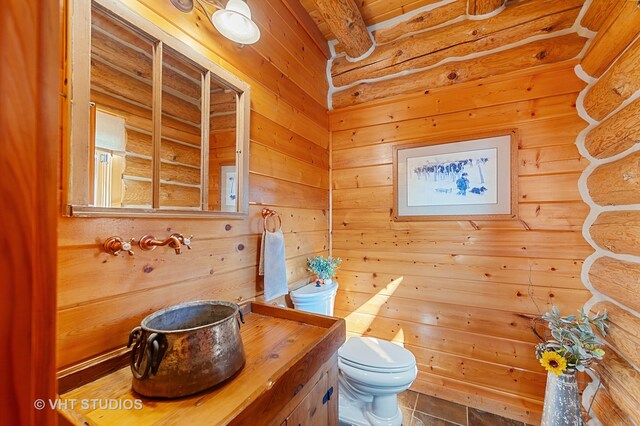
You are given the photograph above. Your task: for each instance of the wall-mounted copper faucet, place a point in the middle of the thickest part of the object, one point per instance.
(175, 241)
(115, 245)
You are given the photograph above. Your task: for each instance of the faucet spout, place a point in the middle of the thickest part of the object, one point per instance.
(174, 243)
(148, 242)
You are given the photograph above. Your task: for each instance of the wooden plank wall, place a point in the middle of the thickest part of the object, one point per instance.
(101, 297)
(455, 292)
(611, 106)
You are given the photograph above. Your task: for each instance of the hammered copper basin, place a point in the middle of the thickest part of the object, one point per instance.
(186, 348)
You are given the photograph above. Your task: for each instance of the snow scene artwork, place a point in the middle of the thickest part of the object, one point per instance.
(463, 177)
(472, 178)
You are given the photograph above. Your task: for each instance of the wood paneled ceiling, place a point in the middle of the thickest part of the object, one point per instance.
(382, 48)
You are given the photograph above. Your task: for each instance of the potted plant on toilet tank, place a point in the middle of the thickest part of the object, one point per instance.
(324, 268)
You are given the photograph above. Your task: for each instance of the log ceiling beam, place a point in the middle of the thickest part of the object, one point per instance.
(421, 22)
(345, 21)
(423, 52)
(516, 23)
(532, 54)
(483, 7)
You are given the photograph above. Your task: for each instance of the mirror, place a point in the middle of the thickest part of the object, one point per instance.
(223, 179)
(156, 128)
(181, 145)
(120, 100)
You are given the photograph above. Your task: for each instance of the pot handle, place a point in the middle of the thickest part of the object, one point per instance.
(154, 347)
(137, 352)
(241, 315)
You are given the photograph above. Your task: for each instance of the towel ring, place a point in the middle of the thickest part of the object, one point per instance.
(268, 213)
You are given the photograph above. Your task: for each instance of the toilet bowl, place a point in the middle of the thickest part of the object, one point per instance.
(372, 371)
(372, 374)
(318, 300)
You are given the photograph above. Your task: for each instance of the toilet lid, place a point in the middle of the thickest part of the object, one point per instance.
(310, 290)
(376, 354)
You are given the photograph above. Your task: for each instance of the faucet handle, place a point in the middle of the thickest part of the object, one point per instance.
(187, 241)
(115, 245)
(128, 245)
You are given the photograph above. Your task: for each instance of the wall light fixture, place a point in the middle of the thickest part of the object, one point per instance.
(232, 21)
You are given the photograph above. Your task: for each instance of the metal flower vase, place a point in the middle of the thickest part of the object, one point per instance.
(561, 401)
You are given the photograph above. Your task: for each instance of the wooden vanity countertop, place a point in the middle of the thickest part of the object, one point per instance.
(284, 349)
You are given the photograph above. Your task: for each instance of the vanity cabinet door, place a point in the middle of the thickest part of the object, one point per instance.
(320, 406)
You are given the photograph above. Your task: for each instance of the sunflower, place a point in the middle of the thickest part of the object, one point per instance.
(553, 362)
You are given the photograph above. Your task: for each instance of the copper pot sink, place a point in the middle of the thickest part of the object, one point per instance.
(186, 348)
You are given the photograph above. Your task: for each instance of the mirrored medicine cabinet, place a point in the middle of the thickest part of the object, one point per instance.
(156, 128)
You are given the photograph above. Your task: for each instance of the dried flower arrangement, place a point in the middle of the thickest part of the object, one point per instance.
(573, 344)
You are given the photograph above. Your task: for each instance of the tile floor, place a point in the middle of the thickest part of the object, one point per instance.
(424, 410)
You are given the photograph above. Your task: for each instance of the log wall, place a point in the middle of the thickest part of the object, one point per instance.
(459, 294)
(101, 297)
(609, 185)
(448, 43)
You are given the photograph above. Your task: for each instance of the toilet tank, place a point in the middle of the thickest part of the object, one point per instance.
(317, 300)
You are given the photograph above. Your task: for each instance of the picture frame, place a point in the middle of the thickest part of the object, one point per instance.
(228, 188)
(466, 177)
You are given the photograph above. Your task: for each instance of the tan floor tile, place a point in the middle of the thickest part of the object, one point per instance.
(447, 410)
(408, 399)
(421, 419)
(481, 418)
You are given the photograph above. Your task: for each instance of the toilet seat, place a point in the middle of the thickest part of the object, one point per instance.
(371, 369)
(378, 382)
(376, 356)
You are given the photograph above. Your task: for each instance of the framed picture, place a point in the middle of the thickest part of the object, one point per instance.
(228, 189)
(468, 178)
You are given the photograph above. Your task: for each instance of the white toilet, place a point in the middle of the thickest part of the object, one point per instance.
(372, 374)
(372, 371)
